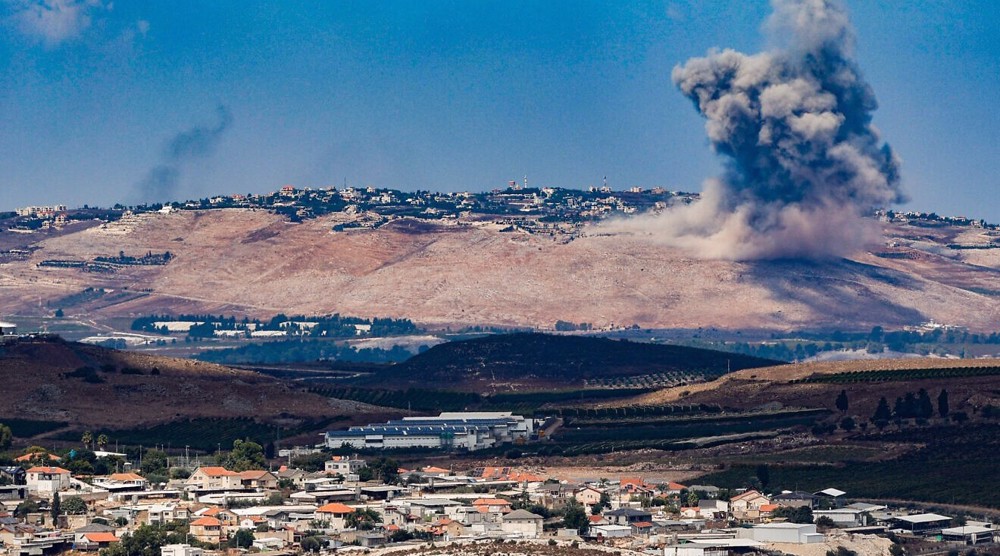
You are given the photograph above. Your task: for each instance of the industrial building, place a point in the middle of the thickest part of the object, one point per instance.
(461, 431)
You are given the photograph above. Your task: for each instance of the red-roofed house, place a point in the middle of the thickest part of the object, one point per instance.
(491, 505)
(122, 482)
(215, 478)
(747, 505)
(37, 455)
(335, 513)
(447, 528)
(207, 529)
(102, 540)
(44, 480)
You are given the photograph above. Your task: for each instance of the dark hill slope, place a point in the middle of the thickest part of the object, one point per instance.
(542, 360)
(85, 386)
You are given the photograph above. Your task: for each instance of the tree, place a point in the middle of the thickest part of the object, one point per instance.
(24, 508)
(310, 544)
(925, 409)
(943, 403)
(363, 518)
(847, 424)
(87, 438)
(55, 509)
(763, 474)
(575, 518)
(74, 505)
(384, 469)
(882, 412)
(841, 402)
(242, 539)
(6, 437)
(154, 462)
(246, 455)
(146, 540)
(801, 514)
(102, 441)
(692, 499)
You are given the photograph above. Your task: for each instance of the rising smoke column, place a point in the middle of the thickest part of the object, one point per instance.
(160, 184)
(803, 162)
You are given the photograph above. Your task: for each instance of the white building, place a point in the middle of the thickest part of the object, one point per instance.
(47, 480)
(467, 431)
(611, 531)
(180, 550)
(522, 523)
(796, 533)
(344, 465)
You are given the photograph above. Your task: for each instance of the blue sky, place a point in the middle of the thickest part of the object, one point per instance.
(448, 95)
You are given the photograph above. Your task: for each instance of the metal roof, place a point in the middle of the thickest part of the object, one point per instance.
(923, 518)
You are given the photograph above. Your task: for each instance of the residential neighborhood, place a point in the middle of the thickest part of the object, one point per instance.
(346, 502)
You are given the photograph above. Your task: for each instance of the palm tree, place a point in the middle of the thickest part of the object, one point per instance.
(102, 441)
(87, 439)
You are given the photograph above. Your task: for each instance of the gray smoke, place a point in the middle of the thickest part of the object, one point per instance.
(161, 183)
(803, 161)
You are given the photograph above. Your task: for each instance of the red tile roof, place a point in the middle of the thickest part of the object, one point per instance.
(126, 477)
(207, 522)
(49, 470)
(217, 471)
(335, 508)
(101, 537)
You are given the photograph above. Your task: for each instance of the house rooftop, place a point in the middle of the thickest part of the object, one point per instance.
(521, 514)
(923, 518)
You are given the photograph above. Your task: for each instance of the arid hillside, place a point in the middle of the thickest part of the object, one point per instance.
(971, 385)
(240, 261)
(88, 386)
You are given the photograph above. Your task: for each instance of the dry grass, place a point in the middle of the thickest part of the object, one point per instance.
(36, 387)
(252, 262)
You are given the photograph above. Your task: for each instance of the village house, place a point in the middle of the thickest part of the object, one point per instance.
(258, 480)
(214, 478)
(491, 505)
(627, 516)
(165, 513)
(522, 523)
(795, 499)
(588, 496)
(47, 480)
(344, 465)
(122, 482)
(747, 505)
(207, 529)
(93, 536)
(447, 528)
(296, 477)
(335, 513)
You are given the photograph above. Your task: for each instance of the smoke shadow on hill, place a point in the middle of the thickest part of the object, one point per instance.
(834, 289)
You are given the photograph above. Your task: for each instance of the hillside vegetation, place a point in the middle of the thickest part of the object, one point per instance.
(50, 384)
(511, 361)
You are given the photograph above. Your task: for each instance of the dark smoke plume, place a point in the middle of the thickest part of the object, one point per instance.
(803, 161)
(187, 146)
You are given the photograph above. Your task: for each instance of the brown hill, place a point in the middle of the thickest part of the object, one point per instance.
(971, 384)
(256, 263)
(92, 387)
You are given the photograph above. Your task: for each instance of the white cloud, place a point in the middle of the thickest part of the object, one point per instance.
(53, 22)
